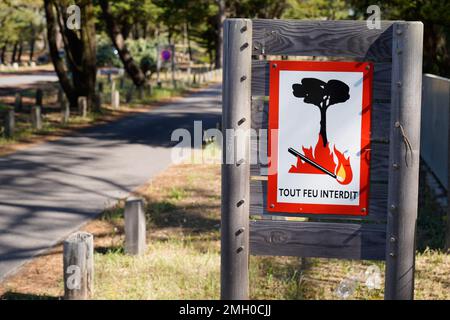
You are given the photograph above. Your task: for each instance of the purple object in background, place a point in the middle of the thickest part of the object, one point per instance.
(166, 54)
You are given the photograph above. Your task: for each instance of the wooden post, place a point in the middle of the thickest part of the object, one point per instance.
(36, 118)
(404, 160)
(149, 89)
(129, 95)
(78, 260)
(39, 97)
(10, 123)
(82, 107)
(100, 88)
(113, 90)
(115, 100)
(18, 102)
(60, 95)
(135, 228)
(236, 175)
(65, 111)
(98, 102)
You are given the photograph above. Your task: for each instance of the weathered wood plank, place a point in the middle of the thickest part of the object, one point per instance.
(379, 160)
(318, 239)
(377, 203)
(78, 264)
(381, 79)
(403, 178)
(323, 38)
(235, 176)
(381, 116)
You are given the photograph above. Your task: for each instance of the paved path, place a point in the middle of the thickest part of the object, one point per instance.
(26, 79)
(50, 190)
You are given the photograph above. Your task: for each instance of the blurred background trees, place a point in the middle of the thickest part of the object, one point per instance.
(128, 31)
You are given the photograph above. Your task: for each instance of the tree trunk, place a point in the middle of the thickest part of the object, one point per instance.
(3, 54)
(323, 126)
(60, 68)
(19, 54)
(13, 57)
(132, 68)
(219, 41)
(89, 62)
(32, 43)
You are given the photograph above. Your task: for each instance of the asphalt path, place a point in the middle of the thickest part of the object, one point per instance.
(51, 189)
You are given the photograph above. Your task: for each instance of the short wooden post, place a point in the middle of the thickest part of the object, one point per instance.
(98, 102)
(10, 123)
(149, 89)
(404, 160)
(78, 261)
(100, 87)
(82, 107)
(236, 175)
(135, 238)
(36, 118)
(141, 92)
(39, 97)
(18, 102)
(60, 95)
(129, 95)
(113, 90)
(115, 100)
(65, 111)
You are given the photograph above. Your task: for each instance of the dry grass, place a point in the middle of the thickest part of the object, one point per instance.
(183, 256)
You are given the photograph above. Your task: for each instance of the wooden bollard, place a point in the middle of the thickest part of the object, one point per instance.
(98, 102)
(39, 97)
(135, 238)
(115, 103)
(82, 107)
(36, 118)
(10, 123)
(65, 111)
(18, 102)
(60, 95)
(129, 95)
(141, 92)
(78, 263)
(100, 87)
(113, 90)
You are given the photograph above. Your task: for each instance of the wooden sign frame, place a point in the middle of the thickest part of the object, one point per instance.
(388, 232)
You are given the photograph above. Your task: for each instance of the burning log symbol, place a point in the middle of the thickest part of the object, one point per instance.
(343, 175)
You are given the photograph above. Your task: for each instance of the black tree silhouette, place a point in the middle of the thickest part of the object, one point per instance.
(323, 95)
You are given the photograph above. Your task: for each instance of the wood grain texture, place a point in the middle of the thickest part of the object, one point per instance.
(377, 210)
(318, 239)
(403, 180)
(78, 266)
(381, 80)
(236, 114)
(135, 226)
(323, 38)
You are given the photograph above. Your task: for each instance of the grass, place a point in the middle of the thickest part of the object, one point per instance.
(182, 260)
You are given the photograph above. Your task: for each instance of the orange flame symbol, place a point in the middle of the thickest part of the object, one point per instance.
(324, 158)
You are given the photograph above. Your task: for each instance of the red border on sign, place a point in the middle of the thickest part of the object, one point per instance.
(272, 186)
